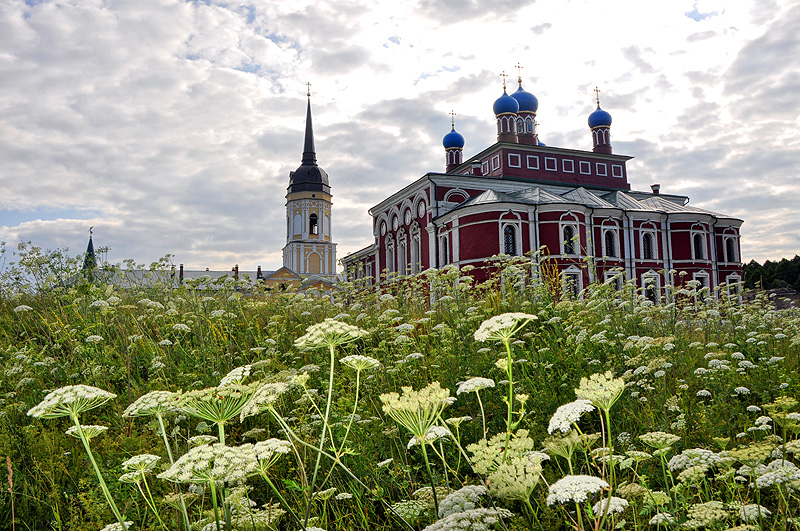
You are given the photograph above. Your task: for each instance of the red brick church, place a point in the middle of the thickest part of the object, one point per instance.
(519, 195)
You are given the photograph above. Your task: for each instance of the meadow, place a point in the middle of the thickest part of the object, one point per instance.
(427, 403)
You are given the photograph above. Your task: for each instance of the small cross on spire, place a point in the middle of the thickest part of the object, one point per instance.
(90, 231)
(597, 92)
(453, 119)
(504, 76)
(308, 86)
(519, 73)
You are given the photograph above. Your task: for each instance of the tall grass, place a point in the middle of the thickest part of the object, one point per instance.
(719, 375)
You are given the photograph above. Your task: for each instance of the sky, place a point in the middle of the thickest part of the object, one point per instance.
(171, 126)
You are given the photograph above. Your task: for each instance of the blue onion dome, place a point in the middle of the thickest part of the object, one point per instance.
(599, 118)
(453, 140)
(527, 101)
(505, 104)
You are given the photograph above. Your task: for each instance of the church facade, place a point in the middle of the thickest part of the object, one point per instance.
(519, 197)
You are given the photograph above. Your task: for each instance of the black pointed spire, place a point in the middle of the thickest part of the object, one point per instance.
(309, 177)
(89, 259)
(309, 153)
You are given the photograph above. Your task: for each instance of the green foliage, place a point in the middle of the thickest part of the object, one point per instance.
(695, 369)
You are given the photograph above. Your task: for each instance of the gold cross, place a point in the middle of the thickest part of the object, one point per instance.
(597, 91)
(308, 85)
(519, 73)
(453, 119)
(504, 76)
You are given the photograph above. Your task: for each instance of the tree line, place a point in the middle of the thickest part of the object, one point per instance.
(773, 275)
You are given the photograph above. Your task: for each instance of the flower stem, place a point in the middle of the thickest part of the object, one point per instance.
(103, 485)
(172, 462)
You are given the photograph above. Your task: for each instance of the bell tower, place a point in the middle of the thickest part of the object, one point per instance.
(309, 248)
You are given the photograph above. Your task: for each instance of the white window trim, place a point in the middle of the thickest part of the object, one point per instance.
(577, 241)
(517, 236)
(598, 166)
(535, 160)
(616, 171)
(584, 164)
(701, 233)
(485, 167)
(614, 230)
(518, 163)
(651, 278)
(653, 238)
(496, 162)
(725, 240)
(571, 163)
(548, 160)
(572, 272)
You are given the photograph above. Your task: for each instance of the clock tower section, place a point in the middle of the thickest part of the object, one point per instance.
(309, 249)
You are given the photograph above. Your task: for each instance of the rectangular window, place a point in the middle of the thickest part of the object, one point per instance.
(601, 169)
(585, 167)
(616, 170)
(568, 166)
(485, 168)
(496, 162)
(550, 164)
(533, 162)
(514, 160)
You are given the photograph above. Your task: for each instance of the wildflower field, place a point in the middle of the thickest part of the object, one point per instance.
(428, 403)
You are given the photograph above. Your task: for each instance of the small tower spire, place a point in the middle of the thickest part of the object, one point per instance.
(519, 74)
(600, 125)
(504, 76)
(453, 144)
(309, 152)
(89, 259)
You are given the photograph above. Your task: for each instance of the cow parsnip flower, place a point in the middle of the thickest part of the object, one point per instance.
(200, 440)
(575, 489)
(152, 403)
(268, 452)
(612, 504)
(474, 385)
(236, 376)
(503, 327)
(329, 333)
(569, 414)
(515, 477)
(659, 439)
(434, 433)
(141, 463)
(463, 499)
(778, 472)
(409, 510)
(360, 363)
(750, 512)
(71, 400)
(601, 389)
(90, 431)
(416, 411)
(212, 462)
(263, 398)
(487, 456)
(707, 513)
(661, 519)
(479, 519)
(217, 404)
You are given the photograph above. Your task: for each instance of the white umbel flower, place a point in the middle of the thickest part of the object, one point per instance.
(70, 400)
(612, 505)
(474, 385)
(575, 489)
(568, 414)
(329, 332)
(502, 326)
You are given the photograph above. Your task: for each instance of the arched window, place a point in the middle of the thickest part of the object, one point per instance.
(730, 250)
(647, 246)
(510, 240)
(390, 254)
(444, 250)
(699, 246)
(313, 224)
(611, 243)
(568, 233)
